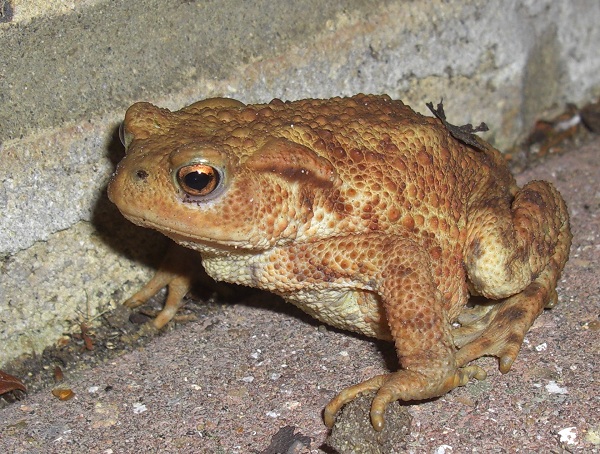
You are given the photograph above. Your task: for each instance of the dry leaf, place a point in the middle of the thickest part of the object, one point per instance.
(63, 393)
(87, 340)
(58, 374)
(9, 383)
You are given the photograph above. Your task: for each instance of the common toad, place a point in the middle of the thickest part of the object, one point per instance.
(366, 215)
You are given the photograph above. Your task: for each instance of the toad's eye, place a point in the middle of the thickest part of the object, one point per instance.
(198, 180)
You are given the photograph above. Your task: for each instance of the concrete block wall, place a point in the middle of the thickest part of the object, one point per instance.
(68, 71)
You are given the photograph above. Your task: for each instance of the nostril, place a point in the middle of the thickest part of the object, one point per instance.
(142, 174)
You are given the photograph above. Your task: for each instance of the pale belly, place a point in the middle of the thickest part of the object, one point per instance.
(338, 304)
(352, 310)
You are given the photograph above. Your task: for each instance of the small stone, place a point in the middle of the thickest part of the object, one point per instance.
(353, 432)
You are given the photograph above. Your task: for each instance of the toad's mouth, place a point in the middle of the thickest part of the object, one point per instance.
(212, 241)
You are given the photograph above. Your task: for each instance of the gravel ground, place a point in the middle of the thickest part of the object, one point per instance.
(253, 377)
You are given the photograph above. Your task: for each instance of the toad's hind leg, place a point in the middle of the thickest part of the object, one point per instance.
(503, 328)
(510, 321)
(510, 243)
(414, 309)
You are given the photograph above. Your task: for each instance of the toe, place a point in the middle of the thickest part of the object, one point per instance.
(348, 394)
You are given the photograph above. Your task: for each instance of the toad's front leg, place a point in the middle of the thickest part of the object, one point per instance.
(179, 269)
(421, 331)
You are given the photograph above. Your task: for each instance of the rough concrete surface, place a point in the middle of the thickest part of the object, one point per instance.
(69, 70)
(255, 376)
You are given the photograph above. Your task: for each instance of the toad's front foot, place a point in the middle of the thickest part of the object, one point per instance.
(402, 385)
(178, 271)
(178, 287)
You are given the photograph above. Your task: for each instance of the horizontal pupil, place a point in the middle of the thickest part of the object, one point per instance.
(197, 180)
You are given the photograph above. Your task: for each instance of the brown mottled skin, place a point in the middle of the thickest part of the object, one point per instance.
(363, 213)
